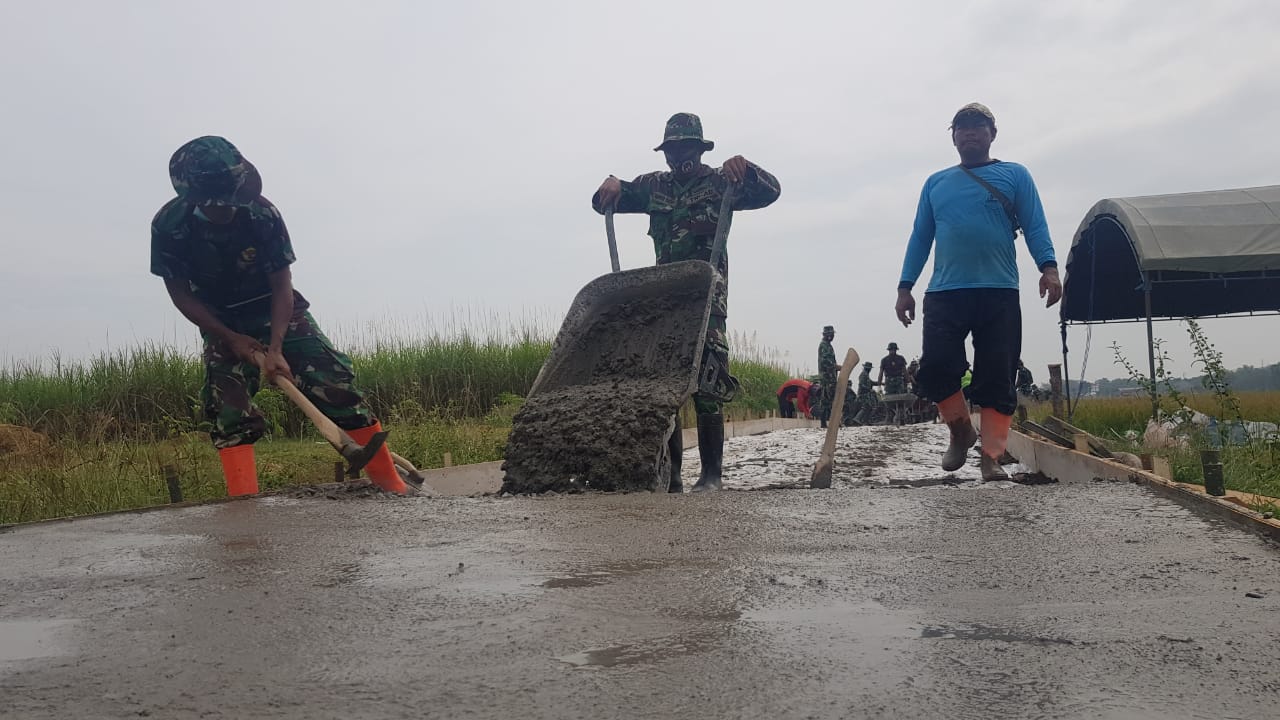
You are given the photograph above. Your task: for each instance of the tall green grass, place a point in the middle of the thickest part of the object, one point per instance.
(145, 390)
(151, 391)
(116, 419)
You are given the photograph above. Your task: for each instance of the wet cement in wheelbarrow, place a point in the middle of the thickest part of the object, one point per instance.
(605, 422)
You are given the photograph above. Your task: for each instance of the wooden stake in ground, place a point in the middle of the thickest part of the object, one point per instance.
(822, 471)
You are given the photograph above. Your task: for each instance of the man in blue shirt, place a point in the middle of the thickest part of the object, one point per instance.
(972, 213)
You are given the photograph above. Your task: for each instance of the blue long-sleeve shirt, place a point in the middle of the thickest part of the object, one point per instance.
(975, 242)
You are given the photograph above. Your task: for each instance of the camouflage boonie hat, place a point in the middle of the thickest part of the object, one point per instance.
(971, 110)
(211, 171)
(867, 365)
(684, 126)
(892, 346)
(827, 329)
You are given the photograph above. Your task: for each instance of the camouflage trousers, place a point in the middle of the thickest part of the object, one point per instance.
(715, 358)
(324, 375)
(826, 398)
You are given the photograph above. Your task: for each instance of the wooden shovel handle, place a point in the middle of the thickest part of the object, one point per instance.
(327, 428)
(835, 417)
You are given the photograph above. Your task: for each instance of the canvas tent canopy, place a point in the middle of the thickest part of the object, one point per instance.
(1198, 254)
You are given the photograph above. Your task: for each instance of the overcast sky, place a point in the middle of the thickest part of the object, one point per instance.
(434, 161)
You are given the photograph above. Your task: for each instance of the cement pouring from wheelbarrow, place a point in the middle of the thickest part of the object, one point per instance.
(873, 456)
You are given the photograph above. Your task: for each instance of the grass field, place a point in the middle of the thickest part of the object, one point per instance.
(1253, 467)
(109, 424)
(1101, 416)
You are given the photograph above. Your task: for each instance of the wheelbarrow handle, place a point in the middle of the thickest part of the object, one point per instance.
(717, 246)
(722, 225)
(613, 239)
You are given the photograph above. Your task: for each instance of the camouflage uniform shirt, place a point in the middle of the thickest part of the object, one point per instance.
(226, 265)
(827, 367)
(865, 383)
(683, 216)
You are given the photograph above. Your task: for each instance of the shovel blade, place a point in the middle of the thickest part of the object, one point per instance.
(821, 478)
(357, 456)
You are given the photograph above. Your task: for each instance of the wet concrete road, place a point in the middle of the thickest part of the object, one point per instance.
(1088, 600)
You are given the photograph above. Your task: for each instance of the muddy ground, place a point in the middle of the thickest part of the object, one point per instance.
(1069, 600)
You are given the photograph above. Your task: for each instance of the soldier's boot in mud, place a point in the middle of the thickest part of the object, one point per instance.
(675, 448)
(711, 450)
(995, 440)
(955, 413)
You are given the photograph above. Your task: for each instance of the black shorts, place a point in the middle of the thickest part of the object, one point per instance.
(993, 317)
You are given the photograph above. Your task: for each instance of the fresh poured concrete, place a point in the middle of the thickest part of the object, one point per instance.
(1077, 599)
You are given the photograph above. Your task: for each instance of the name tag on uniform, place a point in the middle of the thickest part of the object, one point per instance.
(703, 194)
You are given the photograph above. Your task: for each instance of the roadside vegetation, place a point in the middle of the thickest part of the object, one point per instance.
(93, 436)
(1240, 424)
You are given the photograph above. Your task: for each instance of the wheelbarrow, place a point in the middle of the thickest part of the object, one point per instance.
(626, 358)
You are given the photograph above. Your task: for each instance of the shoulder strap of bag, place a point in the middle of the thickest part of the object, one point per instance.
(1003, 199)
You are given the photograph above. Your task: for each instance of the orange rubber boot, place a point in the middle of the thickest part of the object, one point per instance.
(995, 432)
(239, 469)
(381, 469)
(955, 413)
(995, 439)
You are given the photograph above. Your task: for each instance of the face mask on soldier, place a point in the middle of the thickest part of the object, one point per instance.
(683, 159)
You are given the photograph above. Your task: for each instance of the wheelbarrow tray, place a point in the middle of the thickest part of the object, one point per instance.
(603, 405)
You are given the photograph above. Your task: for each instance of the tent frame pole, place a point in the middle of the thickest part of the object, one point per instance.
(1066, 370)
(1151, 348)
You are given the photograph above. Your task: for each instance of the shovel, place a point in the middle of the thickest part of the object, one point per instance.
(356, 455)
(826, 461)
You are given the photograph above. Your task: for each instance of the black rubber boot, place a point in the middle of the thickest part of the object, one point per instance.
(675, 448)
(711, 450)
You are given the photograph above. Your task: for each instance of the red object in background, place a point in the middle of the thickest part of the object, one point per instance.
(798, 389)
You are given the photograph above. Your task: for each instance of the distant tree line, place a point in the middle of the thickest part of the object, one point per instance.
(1243, 379)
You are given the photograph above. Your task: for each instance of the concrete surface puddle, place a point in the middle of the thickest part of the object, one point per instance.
(342, 574)
(976, 632)
(32, 639)
(462, 568)
(856, 621)
(646, 652)
(599, 575)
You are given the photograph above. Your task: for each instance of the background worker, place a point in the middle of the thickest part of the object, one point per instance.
(828, 369)
(972, 212)
(866, 394)
(1024, 382)
(793, 395)
(683, 205)
(224, 254)
(893, 371)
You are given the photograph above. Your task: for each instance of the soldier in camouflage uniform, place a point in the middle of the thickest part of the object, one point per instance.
(828, 369)
(893, 370)
(683, 205)
(866, 393)
(224, 253)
